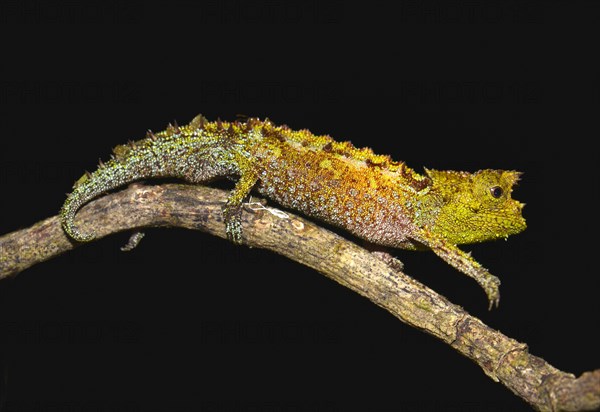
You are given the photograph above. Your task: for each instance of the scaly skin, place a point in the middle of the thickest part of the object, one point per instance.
(380, 200)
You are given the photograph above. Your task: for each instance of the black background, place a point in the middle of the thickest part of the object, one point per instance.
(189, 322)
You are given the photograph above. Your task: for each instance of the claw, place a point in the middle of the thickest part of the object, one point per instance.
(492, 290)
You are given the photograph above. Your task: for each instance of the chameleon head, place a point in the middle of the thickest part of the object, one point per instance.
(475, 207)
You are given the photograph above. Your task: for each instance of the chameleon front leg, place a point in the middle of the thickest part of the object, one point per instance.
(464, 262)
(232, 210)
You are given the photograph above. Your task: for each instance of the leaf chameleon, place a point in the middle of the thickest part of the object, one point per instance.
(375, 198)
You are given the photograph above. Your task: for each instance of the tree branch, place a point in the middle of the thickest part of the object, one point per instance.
(196, 207)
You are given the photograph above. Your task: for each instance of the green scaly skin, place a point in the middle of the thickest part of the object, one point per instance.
(380, 200)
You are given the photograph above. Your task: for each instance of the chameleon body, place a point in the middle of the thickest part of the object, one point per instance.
(370, 195)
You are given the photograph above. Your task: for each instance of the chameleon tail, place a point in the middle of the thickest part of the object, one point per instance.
(91, 185)
(67, 215)
(192, 162)
(191, 153)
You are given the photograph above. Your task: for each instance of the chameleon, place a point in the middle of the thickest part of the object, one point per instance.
(371, 196)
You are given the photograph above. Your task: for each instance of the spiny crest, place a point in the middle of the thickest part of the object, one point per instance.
(172, 130)
(451, 177)
(84, 178)
(417, 181)
(121, 151)
(253, 122)
(327, 144)
(512, 177)
(198, 122)
(151, 136)
(365, 154)
(269, 129)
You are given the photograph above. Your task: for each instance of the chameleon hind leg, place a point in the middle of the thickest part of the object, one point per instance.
(214, 163)
(232, 210)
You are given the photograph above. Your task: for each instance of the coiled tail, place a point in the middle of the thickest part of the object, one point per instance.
(109, 176)
(189, 153)
(137, 160)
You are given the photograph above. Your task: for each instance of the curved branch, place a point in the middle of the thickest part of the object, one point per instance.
(196, 207)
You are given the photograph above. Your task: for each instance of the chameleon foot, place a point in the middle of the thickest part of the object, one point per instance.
(233, 223)
(391, 261)
(491, 285)
(133, 241)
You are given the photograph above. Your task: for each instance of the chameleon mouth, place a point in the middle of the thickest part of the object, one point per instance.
(522, 223)
(512, 226)
(498, 224)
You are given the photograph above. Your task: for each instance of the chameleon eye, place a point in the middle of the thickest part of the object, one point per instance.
(496, 192)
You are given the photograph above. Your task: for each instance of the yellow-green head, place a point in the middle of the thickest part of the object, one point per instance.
(475, 207)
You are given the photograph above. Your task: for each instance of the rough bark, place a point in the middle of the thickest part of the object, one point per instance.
(195, 207)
